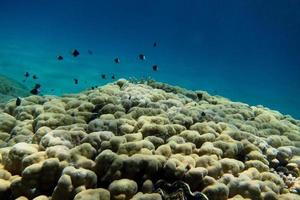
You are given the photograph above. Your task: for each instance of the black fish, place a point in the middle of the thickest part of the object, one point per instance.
(113, 77)
(92, 87)
(90, 52)
(155, 67)
(37, 86)
(35, 91)
(155, 44)
(60, 58)
(18, 101)
(117, 60)
(142, 57)
(103, 76)
(75, 53)
(26, 74)
(34, 77)
(75, 81)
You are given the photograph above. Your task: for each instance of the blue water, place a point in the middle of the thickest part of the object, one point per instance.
(245, 50)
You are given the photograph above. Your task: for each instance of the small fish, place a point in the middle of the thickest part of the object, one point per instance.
(52, 90)
(90, 52)
(35, 91)
(142, 57)
(155, 44)
(92, 87)
(37, 86)
(113, 77)
(75, 81)
(117, 60)
(26, 74)
(34, 77)
(154, 67)
(103, 76)
(18, 101)
(60, 58)
(75, 53)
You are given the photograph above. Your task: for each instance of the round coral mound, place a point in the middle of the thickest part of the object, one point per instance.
(118, 141)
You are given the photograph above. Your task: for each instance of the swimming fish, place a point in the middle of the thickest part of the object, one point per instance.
(26, 74)
(142, 57)
(60, 58)
(75, 53)
(90, 52)
(103, 76)
(155, 67)
(37, 86)
(18, 101)
(117, 60)
(75, 81)
(34, 77)
(36, 90)
(155, 44)
(113, 77)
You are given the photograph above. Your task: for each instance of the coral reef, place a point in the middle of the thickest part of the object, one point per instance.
(117, 141)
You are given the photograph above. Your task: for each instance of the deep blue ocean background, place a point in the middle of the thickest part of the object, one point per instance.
(248, 51)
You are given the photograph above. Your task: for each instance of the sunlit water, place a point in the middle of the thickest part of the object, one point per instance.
(244, 50)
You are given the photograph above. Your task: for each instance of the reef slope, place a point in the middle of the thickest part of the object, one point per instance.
(117, 141)
(10, 88)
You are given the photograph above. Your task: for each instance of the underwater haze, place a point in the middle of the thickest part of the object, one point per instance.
(247, 51)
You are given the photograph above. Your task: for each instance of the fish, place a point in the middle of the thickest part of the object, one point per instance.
(142, 57)
(155, 44)
(154, 67)
(35, 91)
(92, 87)
(75, 52)
(75, 81)
(90, 52)
(26, 74)
(103, 76)
(34, 77)
(18, 101)
(117, 60)
(113, 77)
(37, 86)
(60, 58)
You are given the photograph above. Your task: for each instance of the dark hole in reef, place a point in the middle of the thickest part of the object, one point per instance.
(282, 169)
(242, 156)
(93, 116)
(97, 108)
(200, 96)
(7, 195)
